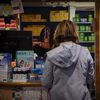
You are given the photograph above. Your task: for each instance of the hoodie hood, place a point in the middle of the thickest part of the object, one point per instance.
(65, 55)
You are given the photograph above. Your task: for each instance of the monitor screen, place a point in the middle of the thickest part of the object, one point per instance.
(5, 1)
(11, 41)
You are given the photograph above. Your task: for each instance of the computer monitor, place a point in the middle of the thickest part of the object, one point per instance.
(5, 1)
(11, 41)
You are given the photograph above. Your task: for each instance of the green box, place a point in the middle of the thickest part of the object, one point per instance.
(77, 15)
(87, 28)
(85, 38)
(81, 34)
(93, 38)
(90, 38)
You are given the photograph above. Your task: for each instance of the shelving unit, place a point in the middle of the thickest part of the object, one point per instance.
(36, 18)
(83, 15)
(86, 34)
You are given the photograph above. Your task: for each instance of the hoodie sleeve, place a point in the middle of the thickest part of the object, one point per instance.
(47, 78)
(91, 69)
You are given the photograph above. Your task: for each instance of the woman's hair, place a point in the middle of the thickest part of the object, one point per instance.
(65, 31)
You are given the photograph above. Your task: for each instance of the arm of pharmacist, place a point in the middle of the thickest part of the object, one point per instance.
(47, 78)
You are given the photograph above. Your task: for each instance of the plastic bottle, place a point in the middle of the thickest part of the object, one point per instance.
(90, 18)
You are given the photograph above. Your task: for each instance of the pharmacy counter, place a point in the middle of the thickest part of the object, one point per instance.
(20, 84)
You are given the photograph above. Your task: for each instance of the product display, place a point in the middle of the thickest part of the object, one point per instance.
(34, 94)
(26, 68)
(5, 68)
(25, 58)
(84, 19)
(36, 21)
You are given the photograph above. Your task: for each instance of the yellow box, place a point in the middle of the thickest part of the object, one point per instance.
(38, 16)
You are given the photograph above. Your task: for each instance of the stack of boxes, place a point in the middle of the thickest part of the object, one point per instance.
(58, 15)
(2, 24)
(36, 29)
(8, 26)
(32, 18)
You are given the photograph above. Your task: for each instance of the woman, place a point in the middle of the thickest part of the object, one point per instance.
(68, 67)
(45, 42)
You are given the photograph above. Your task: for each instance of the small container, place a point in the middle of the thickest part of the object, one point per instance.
(85, 39)
(90, 18)
(90, 38)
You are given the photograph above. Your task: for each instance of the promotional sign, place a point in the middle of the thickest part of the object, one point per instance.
(25, 58)
(6, 9)
(17, 6)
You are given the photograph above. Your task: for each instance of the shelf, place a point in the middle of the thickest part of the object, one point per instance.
(43, 22)
(83, 22)
(87, 42)
(92, 51)
(38, 23)
(33, 22)
(20, 84)
(85, 31)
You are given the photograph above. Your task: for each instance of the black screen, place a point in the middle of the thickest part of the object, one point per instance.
(5, 1)
(11, 41)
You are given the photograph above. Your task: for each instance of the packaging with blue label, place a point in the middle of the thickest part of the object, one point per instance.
(25, 59)
(5, 67)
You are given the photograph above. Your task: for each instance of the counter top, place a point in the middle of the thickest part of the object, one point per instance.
(20, 84)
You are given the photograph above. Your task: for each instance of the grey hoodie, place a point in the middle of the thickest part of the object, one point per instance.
(68, 69)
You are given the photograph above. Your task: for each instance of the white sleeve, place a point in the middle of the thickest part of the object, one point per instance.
(47, 78)
(91, 69)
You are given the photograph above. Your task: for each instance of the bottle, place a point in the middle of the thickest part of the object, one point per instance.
(90, 18)
(81, 36)
(77, 17)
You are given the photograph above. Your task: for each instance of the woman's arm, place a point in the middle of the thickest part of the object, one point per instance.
(91, 69)
(47, 79)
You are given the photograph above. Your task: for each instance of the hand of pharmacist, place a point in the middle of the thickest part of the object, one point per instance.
(38, 71)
